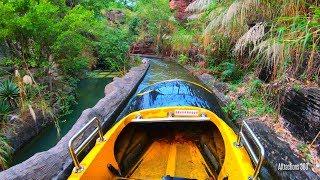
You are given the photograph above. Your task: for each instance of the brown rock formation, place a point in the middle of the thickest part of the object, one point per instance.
(180, 6)
(301, 109)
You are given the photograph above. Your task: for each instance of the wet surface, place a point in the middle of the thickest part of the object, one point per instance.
(174, 93)
(169, 84)
(164, 70)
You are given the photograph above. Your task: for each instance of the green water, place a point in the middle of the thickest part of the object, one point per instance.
(89, 91)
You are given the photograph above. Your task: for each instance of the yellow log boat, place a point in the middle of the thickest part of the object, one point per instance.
(159, 139)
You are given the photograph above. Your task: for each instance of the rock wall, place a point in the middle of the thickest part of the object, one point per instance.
(277, 151)
(301, 109)
(144, 46)
(56, 162)
(180, 6)
(26, 130)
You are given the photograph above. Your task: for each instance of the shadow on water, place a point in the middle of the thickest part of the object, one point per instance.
(89, 91)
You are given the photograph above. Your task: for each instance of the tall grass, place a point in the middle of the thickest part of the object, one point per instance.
(181, 40)
(5, 153)
(282, 34)
(278, 35)
(198, 5)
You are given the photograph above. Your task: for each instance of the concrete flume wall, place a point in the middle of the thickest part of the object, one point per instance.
(56, 162)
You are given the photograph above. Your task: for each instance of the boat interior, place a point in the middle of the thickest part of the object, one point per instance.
(152, 144)
(187, 150)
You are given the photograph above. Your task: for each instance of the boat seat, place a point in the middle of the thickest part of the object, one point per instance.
(160, 151)
(130, 149)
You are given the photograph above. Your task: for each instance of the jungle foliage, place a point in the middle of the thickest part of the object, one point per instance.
(53, 43)
(274, 41)
(48, 46)
(282, 36)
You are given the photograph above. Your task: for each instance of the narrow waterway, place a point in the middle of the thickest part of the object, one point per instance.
(162, 70)
(159, 70)
(172, 95)
(89, 91)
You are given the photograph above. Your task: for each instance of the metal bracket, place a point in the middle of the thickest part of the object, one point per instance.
(74, 152)
(203, 115)
(243, 141)
(170, 114)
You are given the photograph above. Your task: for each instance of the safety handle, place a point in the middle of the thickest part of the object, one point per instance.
(74, 152)
(242, 140)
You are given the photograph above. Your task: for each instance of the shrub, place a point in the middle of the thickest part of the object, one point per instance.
(182, 59)
(156, 18)
(233, 111)
(5, 152)
(255, 86)
(257, 106)
(181, 40)
(4, 109)
(113, 48)
(9, 92)
(229, 71)
(305, 151)
(296, 87)
(134, 24)
(75, 66)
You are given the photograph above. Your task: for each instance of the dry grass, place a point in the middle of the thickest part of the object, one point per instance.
(232, 18)
(253, 36)
(198, 6)
(32, 113)
(281, 33)
(195, 16)
(270, 53)
(215, 22)
(233, 10)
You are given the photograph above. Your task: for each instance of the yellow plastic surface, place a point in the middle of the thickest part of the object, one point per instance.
(180, 160)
